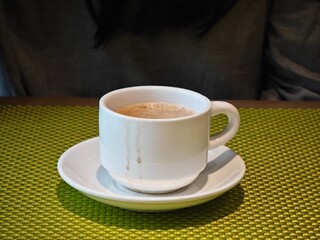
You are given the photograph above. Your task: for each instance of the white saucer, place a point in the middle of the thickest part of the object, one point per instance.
(80, 167)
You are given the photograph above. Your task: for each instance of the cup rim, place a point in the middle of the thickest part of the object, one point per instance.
(153, 87)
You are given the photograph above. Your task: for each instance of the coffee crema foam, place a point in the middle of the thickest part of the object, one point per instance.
(155, 110)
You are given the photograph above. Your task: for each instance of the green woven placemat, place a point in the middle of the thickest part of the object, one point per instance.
(278, 197)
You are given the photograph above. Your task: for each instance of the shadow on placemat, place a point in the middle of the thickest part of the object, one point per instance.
(85, 207)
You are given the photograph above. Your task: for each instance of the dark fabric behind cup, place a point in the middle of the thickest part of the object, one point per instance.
(293, 50)
(48, 49)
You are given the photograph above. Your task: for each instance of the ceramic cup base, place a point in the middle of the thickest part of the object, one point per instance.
(152, 187)
(126, 189)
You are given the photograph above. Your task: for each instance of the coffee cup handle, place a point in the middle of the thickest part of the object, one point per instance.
(220, 107)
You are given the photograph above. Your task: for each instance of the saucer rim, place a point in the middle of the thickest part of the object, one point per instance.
(147, 198)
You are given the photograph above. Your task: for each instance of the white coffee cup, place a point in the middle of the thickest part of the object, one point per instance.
(159, 155)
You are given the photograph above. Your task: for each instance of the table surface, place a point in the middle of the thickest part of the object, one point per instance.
(277, 198)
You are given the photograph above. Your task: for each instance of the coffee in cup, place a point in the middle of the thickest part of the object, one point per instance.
(156, 110)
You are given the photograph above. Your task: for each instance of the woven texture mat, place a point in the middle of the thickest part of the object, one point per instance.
(278, 197)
